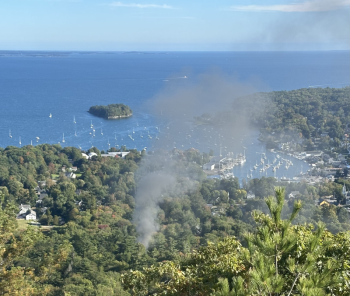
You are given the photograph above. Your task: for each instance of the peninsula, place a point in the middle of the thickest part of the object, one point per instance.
(112, 111)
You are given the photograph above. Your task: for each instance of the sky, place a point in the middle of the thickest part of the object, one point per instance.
(169, 25)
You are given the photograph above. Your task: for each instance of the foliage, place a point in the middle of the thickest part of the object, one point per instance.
(280, 259)
(110, 111)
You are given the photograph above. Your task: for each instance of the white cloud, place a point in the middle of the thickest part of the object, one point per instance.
(307, 6)
(137, 5)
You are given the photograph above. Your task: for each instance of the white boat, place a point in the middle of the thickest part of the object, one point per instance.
(91, 125)
(20, 141)
(10, 134)
(63, 140)
(50, 115)
(101, 132)
(75, 134)
(74, 120)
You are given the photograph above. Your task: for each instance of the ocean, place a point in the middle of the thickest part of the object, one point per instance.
(34, 85)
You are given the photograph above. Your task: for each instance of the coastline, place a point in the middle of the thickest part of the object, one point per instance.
(112, 117)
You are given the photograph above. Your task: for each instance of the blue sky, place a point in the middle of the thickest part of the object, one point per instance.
(175, 25)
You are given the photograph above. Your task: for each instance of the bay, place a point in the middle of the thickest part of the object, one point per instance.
(66, 84)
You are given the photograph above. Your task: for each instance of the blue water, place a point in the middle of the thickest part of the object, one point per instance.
(34, 85)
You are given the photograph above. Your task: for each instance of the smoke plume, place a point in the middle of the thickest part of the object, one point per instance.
(161, 174)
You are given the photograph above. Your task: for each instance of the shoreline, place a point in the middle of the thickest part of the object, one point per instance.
(112, 117)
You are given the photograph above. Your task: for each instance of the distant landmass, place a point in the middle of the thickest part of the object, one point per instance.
(112, 111)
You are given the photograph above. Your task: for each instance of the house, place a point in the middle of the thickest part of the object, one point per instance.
(31, 215)
(70, 175)
(346, 194)
(250, 195)
(209, 166)
(85, 156)
(23, 209)
(74, 169)
(115, 154)
(92, 154)
(25, 212)
(293, 194)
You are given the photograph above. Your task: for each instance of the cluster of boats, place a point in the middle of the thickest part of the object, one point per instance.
(275, 165)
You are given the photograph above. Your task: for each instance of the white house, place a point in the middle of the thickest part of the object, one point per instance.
(70, 175)
(92, 154)
(85, 156)
(116, 154)
(23, 210)
(293, 194)
(250, 195)
(31, 215)
(209, 166)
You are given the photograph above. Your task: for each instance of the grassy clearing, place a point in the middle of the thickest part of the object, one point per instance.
(22, 224)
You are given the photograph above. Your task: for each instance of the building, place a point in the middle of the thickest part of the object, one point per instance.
(346, 195)
(25, 212)
(70, 175)
(92, 154)
(293, 194)
(209, 166)
(23, 209)
(31, 215)
(115, 154)
(250, 195)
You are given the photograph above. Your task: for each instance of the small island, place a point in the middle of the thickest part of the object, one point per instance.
(112, 111)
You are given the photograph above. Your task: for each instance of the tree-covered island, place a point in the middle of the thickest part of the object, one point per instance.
(111, 111)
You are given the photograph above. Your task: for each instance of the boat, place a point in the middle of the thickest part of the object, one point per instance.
(74, 120)
(63, 140)
(133, 131)
(50, 115)
(91, 125)
(10, 134)
(75, 134)
(20, 141)
(101, 132)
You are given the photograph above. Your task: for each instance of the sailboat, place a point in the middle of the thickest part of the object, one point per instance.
(74, 120)
(63, 140)
(91, 125)
(10, 133)
(20, 141)
(50, 115)
(133, 131)
(101, 132)
(75, 134)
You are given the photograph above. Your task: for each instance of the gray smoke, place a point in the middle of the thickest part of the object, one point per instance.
(149, 194)
(161, 174)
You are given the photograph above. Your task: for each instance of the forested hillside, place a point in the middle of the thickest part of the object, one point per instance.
(90, 239)
(87, 243)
